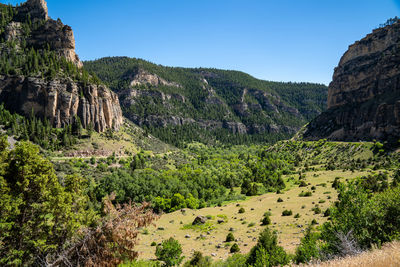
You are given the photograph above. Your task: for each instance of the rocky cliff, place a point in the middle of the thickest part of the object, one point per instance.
(61, 92)
(364, 95)
(61, 101)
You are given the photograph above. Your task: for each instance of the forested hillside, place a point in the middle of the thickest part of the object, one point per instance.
(208, 105)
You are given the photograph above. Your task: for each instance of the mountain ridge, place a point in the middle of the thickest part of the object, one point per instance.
(211, 102)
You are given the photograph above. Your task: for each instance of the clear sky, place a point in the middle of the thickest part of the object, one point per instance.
(279, 40)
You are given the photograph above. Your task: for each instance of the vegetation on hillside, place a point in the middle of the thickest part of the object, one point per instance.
(211, 95)
(38, 131)
(210, 176)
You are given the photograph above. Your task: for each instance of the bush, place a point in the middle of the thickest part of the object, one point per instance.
(305, 194)
(230, 238)
(280, 200)
(198, 260)
(297, 215)
(153, 244)
(267, 252)
(327, 213)
(266, 220)
(287, 213)
(235, 248)
(242, 210)
(302, 184)
(373, 218)
(308, 248)
(316, 210)
(169, 252)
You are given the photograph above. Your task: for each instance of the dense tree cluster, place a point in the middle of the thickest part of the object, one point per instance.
(210, 179)
(38, 131)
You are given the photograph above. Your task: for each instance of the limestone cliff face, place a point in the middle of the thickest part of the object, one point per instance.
(59, 37)
(52, 33)
(61, 100)
(35, 9)
(364, 96)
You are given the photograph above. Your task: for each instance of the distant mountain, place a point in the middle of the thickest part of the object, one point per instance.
(208, 105)
(41, 75)
(364, 96)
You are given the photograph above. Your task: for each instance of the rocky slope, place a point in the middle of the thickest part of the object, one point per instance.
(54, 94)
(364, 96)
(204, 104)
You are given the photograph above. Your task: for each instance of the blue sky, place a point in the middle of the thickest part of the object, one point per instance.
(279, 40)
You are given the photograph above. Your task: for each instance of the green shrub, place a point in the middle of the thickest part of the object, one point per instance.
(251, 224)
(327, 213)
(242, 210)
(297, 215)
(373, 218)
(235, 248)
(280, 200)
(230, 238)
(153, 244)
(305, 194)
(266, 220)
(316, 210)
(302, 184)
(308, 248)
(287, 213)
(169, 252)
(198, 260)
(267, 252)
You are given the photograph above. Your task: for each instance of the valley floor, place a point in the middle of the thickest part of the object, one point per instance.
(210, 238)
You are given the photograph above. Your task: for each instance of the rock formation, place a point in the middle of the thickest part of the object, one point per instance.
(60, 100)
(364, 96)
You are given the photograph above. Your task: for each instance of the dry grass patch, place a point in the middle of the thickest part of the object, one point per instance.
(388, 256)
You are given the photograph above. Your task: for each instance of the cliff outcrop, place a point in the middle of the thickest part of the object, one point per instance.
(57, 94)
(364, 95)
(61, 101)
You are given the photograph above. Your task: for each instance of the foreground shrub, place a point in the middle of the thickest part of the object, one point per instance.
(37, 213)
(198, 260)
(372, 219)
(308, 248)
(110, 243)
(170, 252)
(267, 252)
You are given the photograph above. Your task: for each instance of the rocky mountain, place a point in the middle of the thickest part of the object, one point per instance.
(183, 104)
(41, 73)
(364, 96)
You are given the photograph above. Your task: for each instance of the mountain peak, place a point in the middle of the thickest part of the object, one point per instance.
(36, 9)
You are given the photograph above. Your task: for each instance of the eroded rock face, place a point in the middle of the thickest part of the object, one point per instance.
(35, 9)
(364, 96)
(61, 100)
(59, 38)
(142, 77)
